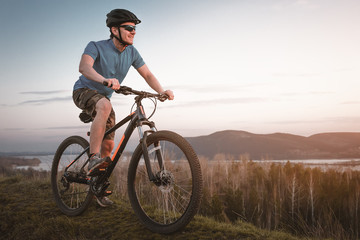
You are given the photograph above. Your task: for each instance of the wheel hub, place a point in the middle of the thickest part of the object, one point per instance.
(165, 180)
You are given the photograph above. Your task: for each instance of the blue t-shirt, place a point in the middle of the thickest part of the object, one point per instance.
(110, 63)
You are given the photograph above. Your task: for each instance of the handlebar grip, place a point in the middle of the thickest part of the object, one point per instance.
(163, 97)
(106, 83)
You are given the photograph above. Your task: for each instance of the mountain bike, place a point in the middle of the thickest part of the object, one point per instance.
(164, 176)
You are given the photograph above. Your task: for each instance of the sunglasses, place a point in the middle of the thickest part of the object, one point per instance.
(129, 28)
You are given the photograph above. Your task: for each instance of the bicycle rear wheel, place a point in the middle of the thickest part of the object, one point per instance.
(168, 204)
(70, 187)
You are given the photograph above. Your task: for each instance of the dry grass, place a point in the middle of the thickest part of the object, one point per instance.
(28, 211)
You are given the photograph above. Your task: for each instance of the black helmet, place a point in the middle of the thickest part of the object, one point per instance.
(118, 16)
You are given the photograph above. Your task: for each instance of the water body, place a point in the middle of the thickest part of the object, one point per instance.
(339, 164)
(45, 165)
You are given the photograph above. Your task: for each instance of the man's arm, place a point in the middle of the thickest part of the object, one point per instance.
(86, 69)
(153, 82)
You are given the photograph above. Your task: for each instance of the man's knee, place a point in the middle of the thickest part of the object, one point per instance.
(103, 105)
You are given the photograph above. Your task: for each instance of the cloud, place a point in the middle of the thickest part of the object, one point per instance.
(285, 5)
(41, 101)
(296, 94)
(351, 102)
(321, 92)
(212, 102)
(295, 122)
(68, 127)
(299, 74)
(341, 119)
(47, 100)
(216, 88)
(44, 92)
(14, 129)
(81, 127)
(344, 119)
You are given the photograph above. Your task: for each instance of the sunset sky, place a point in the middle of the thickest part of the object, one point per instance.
(261, 66)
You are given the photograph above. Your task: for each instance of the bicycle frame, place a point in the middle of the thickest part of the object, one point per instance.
(136, 120)
(165, 201)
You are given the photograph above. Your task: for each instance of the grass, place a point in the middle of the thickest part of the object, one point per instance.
(28, 211)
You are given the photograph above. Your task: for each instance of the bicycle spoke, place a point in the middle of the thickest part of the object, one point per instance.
(183, 189)
(173, 193)
(178, 203)
(71, 196)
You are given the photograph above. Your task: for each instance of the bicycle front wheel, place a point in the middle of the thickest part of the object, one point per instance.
(169, 203)
(68, 177)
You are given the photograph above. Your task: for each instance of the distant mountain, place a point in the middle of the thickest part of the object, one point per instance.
(278, 145)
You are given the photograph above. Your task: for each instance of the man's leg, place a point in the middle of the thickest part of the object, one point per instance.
(108, 143)
(106, 147)
(97, 130)
(104, 111)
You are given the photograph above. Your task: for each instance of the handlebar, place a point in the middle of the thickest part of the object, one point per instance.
(128, 91)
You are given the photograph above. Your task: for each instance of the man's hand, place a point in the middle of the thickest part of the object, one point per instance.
(170, 94)
(113, 83)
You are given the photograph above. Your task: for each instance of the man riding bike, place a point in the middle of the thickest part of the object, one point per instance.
(108, 61)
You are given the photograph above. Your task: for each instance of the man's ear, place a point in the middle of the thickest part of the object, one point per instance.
(114, 30)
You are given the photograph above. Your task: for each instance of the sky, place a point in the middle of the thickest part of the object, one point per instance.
(261, 66)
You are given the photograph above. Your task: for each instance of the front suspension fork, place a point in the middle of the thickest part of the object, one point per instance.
(157, 148)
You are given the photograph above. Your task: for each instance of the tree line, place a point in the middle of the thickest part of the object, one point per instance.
(304, 201)
(311, 202)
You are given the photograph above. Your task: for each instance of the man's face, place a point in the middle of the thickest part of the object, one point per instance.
(127, 33)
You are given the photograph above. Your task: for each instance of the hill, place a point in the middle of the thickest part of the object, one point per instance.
(28, 211)
(278, 145)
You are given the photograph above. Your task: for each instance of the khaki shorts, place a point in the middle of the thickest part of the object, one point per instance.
(86, 100)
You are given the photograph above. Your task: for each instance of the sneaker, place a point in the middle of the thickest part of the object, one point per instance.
(96, 161)
(104, 201)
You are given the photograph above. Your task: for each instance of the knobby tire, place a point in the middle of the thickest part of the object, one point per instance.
(172, 205)
(72, 198)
